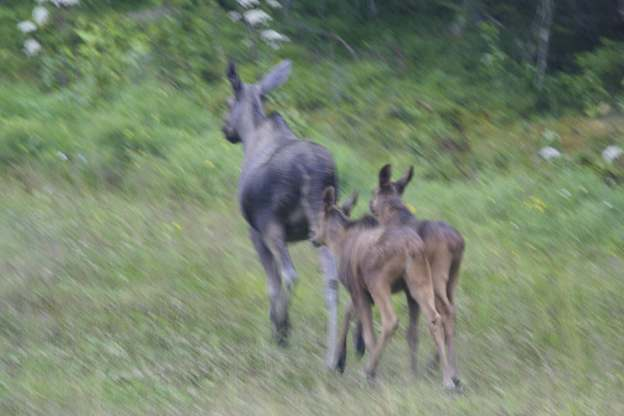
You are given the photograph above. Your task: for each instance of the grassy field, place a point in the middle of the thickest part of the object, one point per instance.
(122, 303)
(128, 285)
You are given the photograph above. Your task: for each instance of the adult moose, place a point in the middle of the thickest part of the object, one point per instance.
(280, 188)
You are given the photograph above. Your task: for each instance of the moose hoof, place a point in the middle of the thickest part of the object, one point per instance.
(371, 377)
(281, 340)
(280, 333)
(290, 283)
(341, 363)
(453, 386)
(360, 347)
(459, 386)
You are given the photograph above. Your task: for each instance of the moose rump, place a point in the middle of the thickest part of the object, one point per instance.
(281, 189)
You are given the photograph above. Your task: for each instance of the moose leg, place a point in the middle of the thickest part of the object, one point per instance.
(448, 322)
(365, 315)
(412, 331)
(434, 361)
(275, 240)
(450, 292)
(389, 324)
(449, 330)
(358, 339)
(328, 264)
(420, 285)
(278, 311)
(437, 332)
(441, 280)
(341, 348)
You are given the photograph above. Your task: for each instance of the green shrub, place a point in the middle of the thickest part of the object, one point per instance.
(14, 62)
(600, 76)
(606, 63)
(494, 60)
(580, 92)
(23, 140)
(188, 47)
(110, 51)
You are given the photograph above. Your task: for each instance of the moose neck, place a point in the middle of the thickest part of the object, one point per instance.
(262, 135)
(336, 243)
(346, 229)
(394, 211)
(337, 236)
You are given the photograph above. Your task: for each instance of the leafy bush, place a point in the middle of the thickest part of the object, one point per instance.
(606, 63)
(600, 76)
(14, 63)
(494, 59)
(109, 51)
(187, 46)
(22, 140)
(565, 91)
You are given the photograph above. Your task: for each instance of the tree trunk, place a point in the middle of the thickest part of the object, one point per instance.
(288, 6)
(544, 23)
(467, 17)
(372, 8)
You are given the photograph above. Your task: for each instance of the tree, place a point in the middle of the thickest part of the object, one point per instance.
(544, 18)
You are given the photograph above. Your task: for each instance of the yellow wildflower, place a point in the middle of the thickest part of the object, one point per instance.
(535, 203)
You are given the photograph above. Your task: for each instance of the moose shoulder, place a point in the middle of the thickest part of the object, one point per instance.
(279, 191)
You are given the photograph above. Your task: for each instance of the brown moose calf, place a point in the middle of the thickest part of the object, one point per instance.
(444, 249)
(375, 261)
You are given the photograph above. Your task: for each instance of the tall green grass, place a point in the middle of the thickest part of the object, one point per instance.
(129, 285)
(126, 304)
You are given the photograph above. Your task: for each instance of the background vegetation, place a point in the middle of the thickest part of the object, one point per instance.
(128, 284)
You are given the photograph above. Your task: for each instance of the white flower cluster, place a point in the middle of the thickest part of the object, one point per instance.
(31, 47)
(549, 153)
(273, 38)
(234, 16)
(26, 26)
(254, 17)
(40, 16)
(248, 3)
(64, 3)
(612, 153)
(274, 3)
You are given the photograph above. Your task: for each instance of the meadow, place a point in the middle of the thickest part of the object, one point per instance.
(129, 285)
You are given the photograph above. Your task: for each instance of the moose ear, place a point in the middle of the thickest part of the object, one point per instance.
(402, 183)
(348, 205)
(278, 75)
(384, 176)
(329, 197)
(232, 75)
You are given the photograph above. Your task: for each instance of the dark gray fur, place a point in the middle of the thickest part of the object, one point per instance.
(280, 192)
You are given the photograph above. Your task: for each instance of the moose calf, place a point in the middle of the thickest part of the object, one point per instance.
(375, 261)
(443, 247)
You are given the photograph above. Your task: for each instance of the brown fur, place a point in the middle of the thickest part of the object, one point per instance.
(375, 261)
(443, 247)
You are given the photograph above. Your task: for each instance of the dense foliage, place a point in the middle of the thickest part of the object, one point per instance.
(437, 65)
